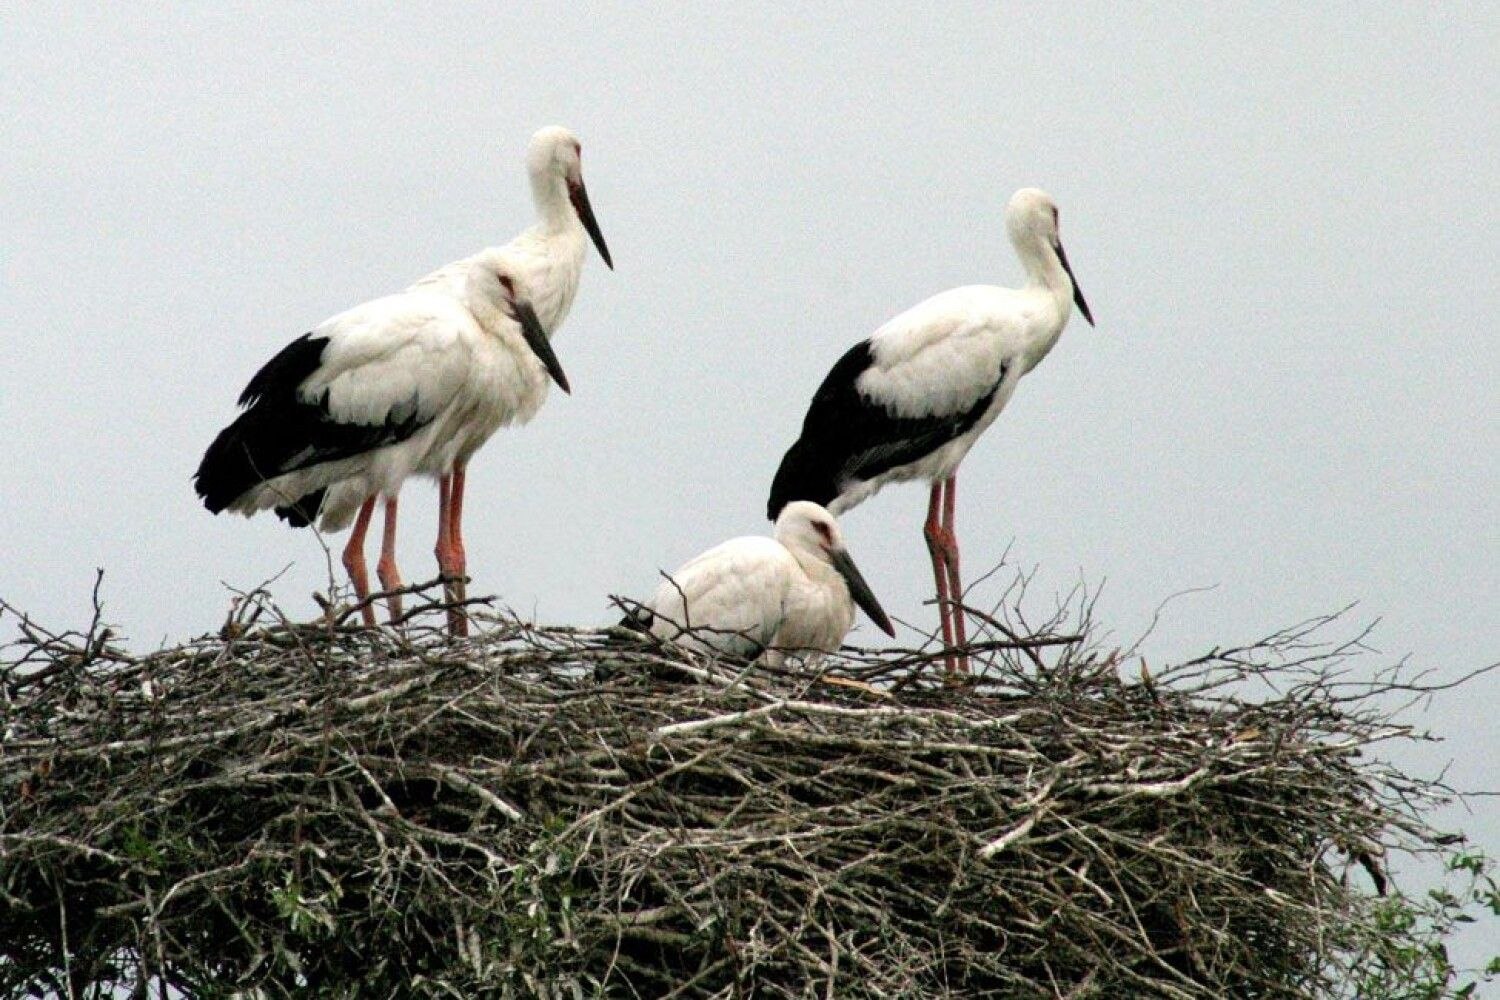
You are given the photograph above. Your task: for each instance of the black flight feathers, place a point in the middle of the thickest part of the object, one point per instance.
(849, 438)
(280, 433)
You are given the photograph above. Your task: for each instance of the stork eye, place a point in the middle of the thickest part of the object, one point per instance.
(507, 281)
(824, 531)
(1054, 215)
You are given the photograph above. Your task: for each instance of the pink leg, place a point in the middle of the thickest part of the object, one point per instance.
(441, 549)
(354, 560)
(456, 528)
(444, 548)
(450, 552)
(458, 621)
(933, 531)
(390, 576)
(955, 583)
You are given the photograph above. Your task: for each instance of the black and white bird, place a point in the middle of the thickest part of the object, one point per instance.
(791, 595)
(909, 402)
(410, 343)
(342, 415)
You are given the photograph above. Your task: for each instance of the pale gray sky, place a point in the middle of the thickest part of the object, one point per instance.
(1284, 222)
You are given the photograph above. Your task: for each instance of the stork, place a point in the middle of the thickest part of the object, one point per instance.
(547, 258)
(791, 594)
(909, 402)
(343, 414)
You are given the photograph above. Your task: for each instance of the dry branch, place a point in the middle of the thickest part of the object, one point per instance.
(326, 810)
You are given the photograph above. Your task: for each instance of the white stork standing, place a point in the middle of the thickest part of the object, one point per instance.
(792, 593)
(343, 414)
(548, 258)
(910, 401)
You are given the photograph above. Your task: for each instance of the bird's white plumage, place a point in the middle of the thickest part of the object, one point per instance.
(945, 354)
(755, 593)
(452, 363)
(397, 353)
(547, 260)
(731, 598)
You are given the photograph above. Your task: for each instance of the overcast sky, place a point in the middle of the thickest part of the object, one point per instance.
(1285, 225)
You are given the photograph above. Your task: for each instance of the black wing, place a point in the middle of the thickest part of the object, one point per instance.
(280, 433)
(304, 510)
(848, 438)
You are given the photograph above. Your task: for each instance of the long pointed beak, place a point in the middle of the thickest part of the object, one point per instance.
(579, 196)
(1083, 306)
(536, 339)
(860, 590)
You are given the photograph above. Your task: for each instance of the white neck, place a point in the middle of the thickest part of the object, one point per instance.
(1043, 269)
(1045, 273)
(550, 194)
(814, 563)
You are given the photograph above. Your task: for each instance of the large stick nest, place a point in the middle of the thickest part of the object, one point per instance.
(328, 810)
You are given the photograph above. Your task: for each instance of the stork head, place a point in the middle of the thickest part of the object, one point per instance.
(504, 285)
(555, 161)
(1031, 219)
(806, 527)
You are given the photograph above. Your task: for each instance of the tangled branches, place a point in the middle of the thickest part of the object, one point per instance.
(327, 810)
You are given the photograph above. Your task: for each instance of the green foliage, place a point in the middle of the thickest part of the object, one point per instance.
(1402, 951)
(309, 914)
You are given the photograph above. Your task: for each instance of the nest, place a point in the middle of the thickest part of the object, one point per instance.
(288, 809)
